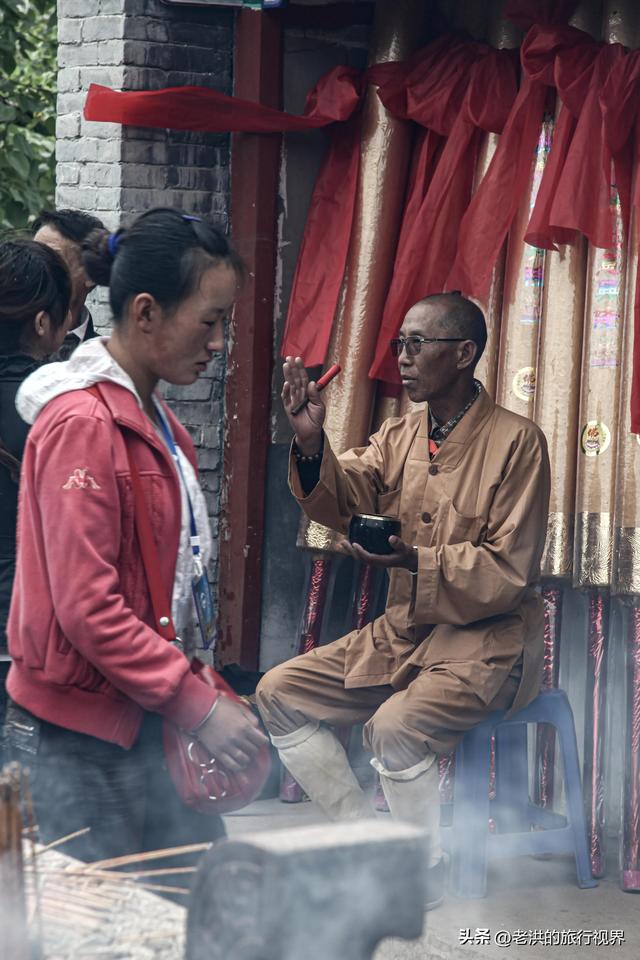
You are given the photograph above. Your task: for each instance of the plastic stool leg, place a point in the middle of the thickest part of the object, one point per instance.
(573, 788)
(468, 878)
(512, 778)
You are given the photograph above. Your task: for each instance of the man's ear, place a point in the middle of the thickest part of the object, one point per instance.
(144, 312)
(467, 353)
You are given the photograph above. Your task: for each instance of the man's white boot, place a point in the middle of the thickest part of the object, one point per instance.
(319, 763)
(413, 796)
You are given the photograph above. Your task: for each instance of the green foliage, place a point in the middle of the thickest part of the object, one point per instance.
(28, 50)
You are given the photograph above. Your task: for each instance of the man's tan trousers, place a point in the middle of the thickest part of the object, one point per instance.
(402, 728)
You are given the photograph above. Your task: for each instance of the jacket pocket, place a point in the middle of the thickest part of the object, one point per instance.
(455, 527)
(65, 666)
(389, 503)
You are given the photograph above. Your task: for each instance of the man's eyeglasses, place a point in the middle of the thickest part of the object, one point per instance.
(413, 345)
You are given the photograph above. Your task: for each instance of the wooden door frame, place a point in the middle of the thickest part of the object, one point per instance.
(255, 167)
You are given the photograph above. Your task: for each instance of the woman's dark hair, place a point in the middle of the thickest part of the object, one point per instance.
(163, 253)
(33, 277)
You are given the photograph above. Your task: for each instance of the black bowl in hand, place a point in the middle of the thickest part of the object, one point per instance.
(373, 532)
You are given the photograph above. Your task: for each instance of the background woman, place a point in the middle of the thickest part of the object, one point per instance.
(35, 292)
(91, 678)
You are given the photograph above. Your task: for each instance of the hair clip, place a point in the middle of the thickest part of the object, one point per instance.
(112, 244)
(187, 216)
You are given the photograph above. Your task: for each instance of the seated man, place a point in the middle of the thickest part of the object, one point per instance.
(461, 635)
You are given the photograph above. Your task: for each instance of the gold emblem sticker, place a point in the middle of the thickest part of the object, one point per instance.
(524, 384)
(595, 439)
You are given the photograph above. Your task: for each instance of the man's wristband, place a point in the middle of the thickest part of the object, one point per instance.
(311, 458)
(414, 573)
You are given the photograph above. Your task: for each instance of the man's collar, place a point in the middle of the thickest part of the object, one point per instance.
(81, 329)
(434, 423)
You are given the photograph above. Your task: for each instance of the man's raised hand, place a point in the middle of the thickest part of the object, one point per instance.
(307, 424)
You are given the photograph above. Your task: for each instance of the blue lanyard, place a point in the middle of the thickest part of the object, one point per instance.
(195, 538)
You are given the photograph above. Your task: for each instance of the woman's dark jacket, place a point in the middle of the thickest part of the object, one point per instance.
(13, 434)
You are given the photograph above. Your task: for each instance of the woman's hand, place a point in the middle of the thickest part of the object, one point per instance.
(308, 423)
(232, 734)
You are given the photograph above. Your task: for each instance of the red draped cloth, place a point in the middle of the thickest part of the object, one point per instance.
(582, 199)
(486, 223)
(335, 97)
(571, 75)
(620, 102)
(458, 92)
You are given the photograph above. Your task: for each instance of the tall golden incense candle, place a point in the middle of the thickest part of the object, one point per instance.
(522, 297)
(559, 370)
(386, 145)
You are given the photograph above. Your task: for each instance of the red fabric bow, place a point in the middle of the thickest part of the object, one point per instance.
(471, 93)
(620, 102)
(491, 212)
(571, 74)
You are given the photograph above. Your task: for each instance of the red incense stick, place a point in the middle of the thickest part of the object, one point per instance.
(325, 379)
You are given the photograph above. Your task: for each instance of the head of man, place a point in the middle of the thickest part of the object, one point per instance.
(442, 367)
(64, 231)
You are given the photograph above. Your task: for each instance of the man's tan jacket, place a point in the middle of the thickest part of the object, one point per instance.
(478, 515)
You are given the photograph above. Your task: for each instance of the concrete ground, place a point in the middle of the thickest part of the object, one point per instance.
(525, 895)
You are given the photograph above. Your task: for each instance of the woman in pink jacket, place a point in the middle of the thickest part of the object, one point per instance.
(91, 677)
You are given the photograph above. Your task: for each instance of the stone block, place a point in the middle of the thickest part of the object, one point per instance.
(100, 174)
(115, 6)
(78, 55)
(194, 178)
(152, 176)
(211, 436)
(137, 200)
(192, 413)
(88, 198)
(144, 152)
(140, 53)
(197, 155)
(328, 892)
(208, 35)
(210, 481)
(89, 149)
(217, 76)
(67, 173)
(110, 52)
(103, 28)
(69, 31)
(67, 126)
(71, 102)
(200, 390)
(144, 78)
(68, 79)
(94, 128)
(108, 76)
(208, 459)
(72, 8)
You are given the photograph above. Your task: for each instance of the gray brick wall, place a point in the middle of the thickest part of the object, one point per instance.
(118, 172)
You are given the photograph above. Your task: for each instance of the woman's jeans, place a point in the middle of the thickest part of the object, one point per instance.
(126, 797)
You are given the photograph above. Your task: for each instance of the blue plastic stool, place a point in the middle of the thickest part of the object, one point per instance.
(522, 827)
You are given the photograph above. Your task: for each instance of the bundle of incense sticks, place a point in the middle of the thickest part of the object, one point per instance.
(14, 939)
(79, 902)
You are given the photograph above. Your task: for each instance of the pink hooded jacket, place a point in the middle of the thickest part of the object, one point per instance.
(85, 653)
